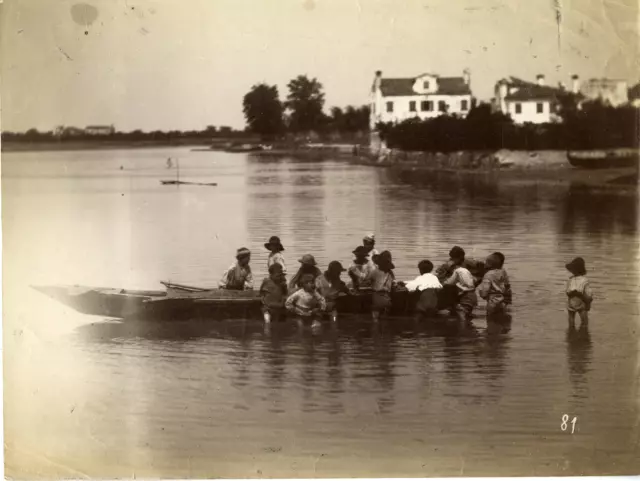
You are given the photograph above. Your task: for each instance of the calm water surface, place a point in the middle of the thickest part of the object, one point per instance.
(92, 397)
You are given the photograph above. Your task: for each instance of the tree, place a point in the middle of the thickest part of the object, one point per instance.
(305, 102)
(263, 110)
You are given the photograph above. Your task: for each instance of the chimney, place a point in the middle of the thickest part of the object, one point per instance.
(466, 74)
(377, 81)
(575, 84)
(562, 86)
(540, 79)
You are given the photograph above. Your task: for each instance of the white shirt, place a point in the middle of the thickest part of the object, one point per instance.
(425, 281)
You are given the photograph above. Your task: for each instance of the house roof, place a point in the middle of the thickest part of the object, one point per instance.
(393, 87)
(529, 90)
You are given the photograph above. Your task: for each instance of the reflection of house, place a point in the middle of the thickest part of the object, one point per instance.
(634, 95)
(100, 130)
(527, 101)
(613, 92)
(424, 96)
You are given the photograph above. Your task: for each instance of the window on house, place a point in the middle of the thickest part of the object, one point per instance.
(389, 106)
(540, 107)
(442, 106)
(518, 108)
(424, 105)
(464, 105)
(429, 105)
(412, 106)
(425, 85)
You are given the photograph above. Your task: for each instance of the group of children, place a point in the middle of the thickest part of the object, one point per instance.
(312, 294)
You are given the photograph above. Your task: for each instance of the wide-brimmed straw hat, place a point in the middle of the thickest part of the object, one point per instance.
(242, 252)
(335, 266)
(361, 251)
(384, 258)
(577, 267)
(369, 238)
(274, 240)
(308, 260)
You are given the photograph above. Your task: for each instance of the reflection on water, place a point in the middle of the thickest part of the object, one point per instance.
(231, 398)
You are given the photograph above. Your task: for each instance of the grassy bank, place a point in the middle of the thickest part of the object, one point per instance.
(514, 167)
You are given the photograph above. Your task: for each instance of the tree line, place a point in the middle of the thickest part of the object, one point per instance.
(66, 134)
(586, 125)
(301, 113)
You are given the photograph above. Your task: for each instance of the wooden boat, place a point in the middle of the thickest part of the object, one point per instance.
(604, 159)
(180, 302)
(180, 182)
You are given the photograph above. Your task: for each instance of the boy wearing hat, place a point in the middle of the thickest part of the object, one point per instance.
(579, 294)
(238, 277)
(368, 243)
(275, 248)
(360, 269)
(330, 286)
(273, 292)
(383, 281)
(306, 302)
(307, 266)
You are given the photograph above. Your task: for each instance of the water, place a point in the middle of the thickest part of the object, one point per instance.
(88, 397)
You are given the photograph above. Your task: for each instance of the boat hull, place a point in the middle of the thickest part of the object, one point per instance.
(191, 303)
(604, 159)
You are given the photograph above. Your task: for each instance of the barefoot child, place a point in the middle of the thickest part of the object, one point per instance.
(579, 295)
(330, 286)
(428, 286)
(382, 282)
(306, 303)
(273, 292)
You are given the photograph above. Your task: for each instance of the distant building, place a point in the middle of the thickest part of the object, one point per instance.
(610, 91)
(634, 95)
(62, 131)
(527, 101)
(100, 130)
(425, 96)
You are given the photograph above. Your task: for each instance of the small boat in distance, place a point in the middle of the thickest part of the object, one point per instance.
(181, 182)
(604, 159)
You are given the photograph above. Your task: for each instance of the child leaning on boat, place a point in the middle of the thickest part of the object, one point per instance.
(428, 286)
(495, 288)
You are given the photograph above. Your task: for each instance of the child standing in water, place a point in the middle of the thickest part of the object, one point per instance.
(578, 290)
(464, 282)
(306, 303)
(496, 289)
(330, 286)
(428, 286)
(383, 282)
(273, 292)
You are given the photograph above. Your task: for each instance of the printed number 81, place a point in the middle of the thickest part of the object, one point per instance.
(565, 419)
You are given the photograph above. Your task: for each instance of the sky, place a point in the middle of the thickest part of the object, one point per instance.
(186, 64)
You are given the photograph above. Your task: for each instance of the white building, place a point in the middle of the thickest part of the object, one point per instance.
(527, 101)
(424, 96)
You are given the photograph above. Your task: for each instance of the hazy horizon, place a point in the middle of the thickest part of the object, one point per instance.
(164, 65)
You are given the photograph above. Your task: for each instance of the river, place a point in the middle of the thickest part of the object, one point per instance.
(91, 397)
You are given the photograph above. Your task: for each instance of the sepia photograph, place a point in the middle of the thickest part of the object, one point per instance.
(320, 238)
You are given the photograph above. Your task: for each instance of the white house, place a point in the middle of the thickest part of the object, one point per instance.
(424, 96)
(527, 101)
